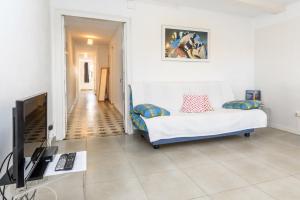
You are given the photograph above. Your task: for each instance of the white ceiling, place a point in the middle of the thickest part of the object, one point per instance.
(101, 31)
(248, 8)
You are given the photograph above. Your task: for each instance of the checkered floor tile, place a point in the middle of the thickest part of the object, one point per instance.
(91, 118)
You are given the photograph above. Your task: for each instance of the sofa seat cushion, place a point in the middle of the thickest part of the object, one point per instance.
(150, 110)
(217, 122)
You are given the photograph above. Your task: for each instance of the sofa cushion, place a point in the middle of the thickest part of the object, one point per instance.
(150, 110)
(138, 122)
(242, 104)
(196, 104)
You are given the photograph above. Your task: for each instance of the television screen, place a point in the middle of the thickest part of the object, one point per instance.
(30, 133)
(35, 118)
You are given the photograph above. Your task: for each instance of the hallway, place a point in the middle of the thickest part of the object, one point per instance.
(90, 118)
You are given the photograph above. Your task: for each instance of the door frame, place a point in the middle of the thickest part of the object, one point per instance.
(58, 68)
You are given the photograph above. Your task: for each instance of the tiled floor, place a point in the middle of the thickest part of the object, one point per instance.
(265, 166)
(91, 118)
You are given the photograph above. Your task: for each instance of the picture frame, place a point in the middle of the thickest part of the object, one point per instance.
(185, 44)
(253, 95)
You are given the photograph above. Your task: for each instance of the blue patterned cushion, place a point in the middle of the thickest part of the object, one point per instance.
(242, 104)
(149, 110)
(138, 122)
(130, 99)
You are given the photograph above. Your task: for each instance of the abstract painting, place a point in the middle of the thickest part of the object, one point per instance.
(185, 44)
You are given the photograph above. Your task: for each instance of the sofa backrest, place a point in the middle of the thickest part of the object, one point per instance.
(169, 95)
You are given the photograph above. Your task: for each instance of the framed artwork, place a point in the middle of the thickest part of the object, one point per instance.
(185, 44)
(253, 95)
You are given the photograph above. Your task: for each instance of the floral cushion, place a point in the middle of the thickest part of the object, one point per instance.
(243, 104)
(149, 110)
(196, 104)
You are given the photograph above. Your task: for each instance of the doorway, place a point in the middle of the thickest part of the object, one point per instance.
(86, 74)
(88, 44)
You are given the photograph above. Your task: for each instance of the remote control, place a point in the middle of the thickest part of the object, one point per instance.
(61, 162)
(70, 161)
(65, 162)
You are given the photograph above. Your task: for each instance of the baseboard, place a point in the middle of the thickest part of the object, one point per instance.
(284, 128)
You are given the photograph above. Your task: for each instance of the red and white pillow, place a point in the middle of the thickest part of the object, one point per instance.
(196, 104)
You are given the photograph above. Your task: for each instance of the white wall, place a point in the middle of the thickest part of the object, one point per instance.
(116, 70)
(232, 42)
(71, 73)
(278, 67)
(25, 66)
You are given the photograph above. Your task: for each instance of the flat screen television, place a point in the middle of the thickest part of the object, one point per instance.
(30, 136)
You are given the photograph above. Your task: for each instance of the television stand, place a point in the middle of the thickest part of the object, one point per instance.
(48, 153)
(39, 170)
(33, 187)
(38, 173)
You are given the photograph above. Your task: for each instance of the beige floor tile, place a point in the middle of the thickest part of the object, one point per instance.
(140, 149)
(67, 180)
(105, 160)
(117, 172)
(248, 193)
(44, 194)
(187, 157)
(292, 153)
(272, 145)
(116, 190)
(297, 176)
(170, 185)
(202, 198)
(253, 171)
(241, 145)
(219, 167)
(286, 188)
(206, 145)
(68, 187)
(221, 153)
(279, 161)
(151, 164)
(270, 132)
(102, 145)
(214, 178)
(135, 138)
(67, 146)
(290, 139)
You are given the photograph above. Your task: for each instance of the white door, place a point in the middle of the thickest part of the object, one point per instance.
(86, 75)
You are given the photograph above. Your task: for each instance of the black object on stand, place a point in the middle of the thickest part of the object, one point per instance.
(39, 170)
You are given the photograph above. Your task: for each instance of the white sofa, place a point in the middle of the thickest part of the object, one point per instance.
(179, 127)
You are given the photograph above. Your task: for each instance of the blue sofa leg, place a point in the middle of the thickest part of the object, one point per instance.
(156, 146)
(247, 134)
